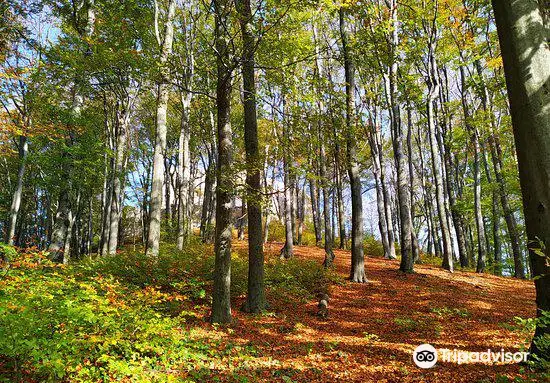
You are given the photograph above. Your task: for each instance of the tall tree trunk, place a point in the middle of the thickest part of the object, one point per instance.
(451, 179)
(357, 272)
(288, 250)
(339, 193)
(414, 239)
(433, 92)
(474, 134)
(207, 201)
(377, 170)
(387, 204)
(184, 168)
(70, 228)
(221, 304)
(267, 209)
(163, 90)
(329, 254)
(60, 228)
(16, 200)
(315, 210)
(301, 212)
(403, 184)
(496, 156)
(90, 234)
(293, 204)
(523, 39)
(118, 177)
(255, 299)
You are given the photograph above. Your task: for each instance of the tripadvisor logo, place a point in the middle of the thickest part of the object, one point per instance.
(425, 356)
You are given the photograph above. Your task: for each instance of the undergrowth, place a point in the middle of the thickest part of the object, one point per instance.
(126, 317)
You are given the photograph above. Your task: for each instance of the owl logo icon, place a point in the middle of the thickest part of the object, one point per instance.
(425, 356)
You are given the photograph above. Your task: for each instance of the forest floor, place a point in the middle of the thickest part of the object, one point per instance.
(131, 318)
(373, 328)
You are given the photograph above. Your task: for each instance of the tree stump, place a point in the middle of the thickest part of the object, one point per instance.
(322, 307)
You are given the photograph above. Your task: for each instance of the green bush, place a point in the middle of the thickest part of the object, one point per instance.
(59, 325)
(7, 253)
(373, 247)
(172, 270)
(188, 272)
(308, 237)
(121, 317)
(276, 231)
(527, 328)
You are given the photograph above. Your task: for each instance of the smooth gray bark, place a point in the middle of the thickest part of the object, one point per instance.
(119, 172)
(433, 91)
(163, 89)
(357, 272)
(16, 200)
(523, 39)
(474, 134)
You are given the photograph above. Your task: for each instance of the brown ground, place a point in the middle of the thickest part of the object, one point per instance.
(373, 328)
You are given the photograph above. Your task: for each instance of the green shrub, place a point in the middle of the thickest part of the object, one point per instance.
(121, 317)
(59, 325)
(183, 272)
(308, 238)
(373, 247)
(7, 253)
(188, 272)
(276, 231)
(527, 328)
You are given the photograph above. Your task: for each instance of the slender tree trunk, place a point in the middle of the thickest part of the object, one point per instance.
(242, 221)
(329, 254)
(387, 205)
(90, 234)
(70, 228)
(382, 224)
(357, 272)
(523, 39)
(433, 91)
(221, 304)
(207, 201)
(403, 183)
(496, 156)
(287, 251)
(106, 226)
(16, 200)
(163, 90)
(293, 205)
(315, 210)
(118, 176)
(302, 213)
(184, 168)
(414, 238)
(480, 227)
(255, 300)
(339, 192)
(267, 209)
(60, 228)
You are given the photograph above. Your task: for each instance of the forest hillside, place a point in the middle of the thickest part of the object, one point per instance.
(111, 328)
(274, 190)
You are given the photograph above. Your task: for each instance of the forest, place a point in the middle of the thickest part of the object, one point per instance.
(282, 191)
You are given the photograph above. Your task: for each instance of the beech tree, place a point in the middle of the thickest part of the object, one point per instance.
(523, 32)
